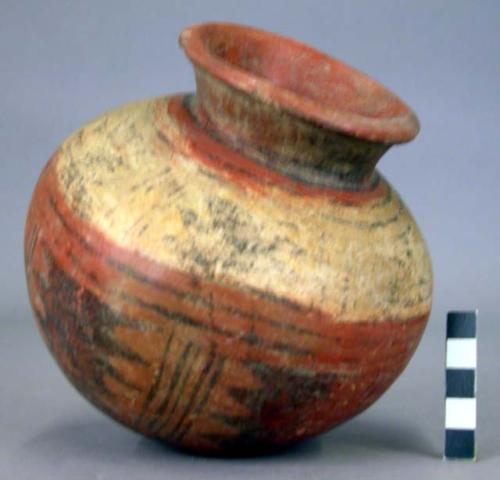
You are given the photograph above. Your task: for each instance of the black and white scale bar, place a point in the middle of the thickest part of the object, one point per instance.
(461, 360)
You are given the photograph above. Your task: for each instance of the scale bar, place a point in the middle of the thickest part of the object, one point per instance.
(460, 406)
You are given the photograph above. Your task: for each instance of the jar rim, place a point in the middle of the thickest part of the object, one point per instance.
(301, 80)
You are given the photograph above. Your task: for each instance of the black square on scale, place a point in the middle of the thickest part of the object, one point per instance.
(460, 383)
(460, 444)
(461, 325)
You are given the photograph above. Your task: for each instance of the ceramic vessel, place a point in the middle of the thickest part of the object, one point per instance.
(227, 270)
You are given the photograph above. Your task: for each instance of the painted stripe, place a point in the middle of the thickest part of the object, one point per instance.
(182, 387)
(460, 444)
(460, 413)
(461, 353)
(177, 430)
(461, 325)
(98, 277)
(180, 364)
(241, 170)
(192, 322)
(186, 423)
(190, 296)
(460, 383)
(374, 329)
(157, 379)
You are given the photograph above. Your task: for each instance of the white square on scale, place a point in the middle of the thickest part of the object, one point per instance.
(461, 353)
(460, 413)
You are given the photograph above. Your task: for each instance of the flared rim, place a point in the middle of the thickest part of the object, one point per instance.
(301, 80)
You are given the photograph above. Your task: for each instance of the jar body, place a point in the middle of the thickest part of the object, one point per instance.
(199, 297)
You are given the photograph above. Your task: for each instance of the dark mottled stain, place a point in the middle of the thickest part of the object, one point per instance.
(190, 296)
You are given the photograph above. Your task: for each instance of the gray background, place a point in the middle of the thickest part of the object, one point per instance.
(63, 62)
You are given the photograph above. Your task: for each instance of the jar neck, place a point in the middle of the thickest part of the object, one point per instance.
(282, 140)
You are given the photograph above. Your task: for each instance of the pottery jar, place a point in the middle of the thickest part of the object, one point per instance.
(227, 270)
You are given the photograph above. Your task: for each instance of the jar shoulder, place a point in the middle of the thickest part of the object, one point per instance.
(147, 195)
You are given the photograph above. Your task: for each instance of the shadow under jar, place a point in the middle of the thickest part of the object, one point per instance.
(226, 270)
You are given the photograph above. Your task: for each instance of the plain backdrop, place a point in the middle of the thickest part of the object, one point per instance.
(63, 62)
